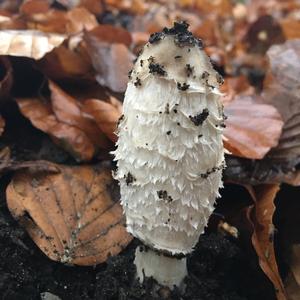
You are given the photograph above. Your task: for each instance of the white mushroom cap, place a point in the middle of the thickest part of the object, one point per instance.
(170, 152)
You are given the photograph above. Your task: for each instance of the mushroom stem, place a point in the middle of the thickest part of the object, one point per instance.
(167, 271)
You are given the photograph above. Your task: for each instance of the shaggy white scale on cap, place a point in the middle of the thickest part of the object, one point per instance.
(170, 151)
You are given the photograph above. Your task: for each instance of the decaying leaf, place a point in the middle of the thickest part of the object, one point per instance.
(28, 43)
(246, 133)
(105, 114)
(110, 56)
(73, 216)
(261, 215)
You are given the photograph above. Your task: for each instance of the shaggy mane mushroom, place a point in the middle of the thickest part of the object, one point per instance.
(170, 151)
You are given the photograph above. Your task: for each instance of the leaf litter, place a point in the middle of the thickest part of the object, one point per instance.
(84, 50)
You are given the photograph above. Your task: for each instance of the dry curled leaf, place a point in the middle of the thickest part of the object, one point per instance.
(246, 133)
(28, 43)
(71, 138)
(105, 114)
(69, 111)
(73, 216)
(260, 215)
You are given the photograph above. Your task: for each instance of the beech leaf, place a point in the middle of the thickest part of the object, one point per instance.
(252, 129)
(71, 138)
(105, 114)
(260, 215)
(73, 216)
(69, 111)
(110, 56)
(29, 43)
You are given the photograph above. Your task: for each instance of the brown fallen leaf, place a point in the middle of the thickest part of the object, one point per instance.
(34, 7)
(80, 19)
(235, 86)
(64, 63)
(71, 138)
(110, 56)
(28, 43)
(73, 216)
(281, 89)
(105, 114)
(69, 111)
(260, 215)
(252, 128)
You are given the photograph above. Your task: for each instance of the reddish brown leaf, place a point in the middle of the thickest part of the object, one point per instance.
(68, 111)
(30, 7)
(260, 215)
(65, 63)
(72, 139)
(252, 128)
(73, 216)
(28, 43)
(105, 114)
(110, 57)
(111, 35)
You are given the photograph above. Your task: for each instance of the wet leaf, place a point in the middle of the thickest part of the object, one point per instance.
(73, 216)
(261, 215)
(246, 133)
(111, 59)
(105, 114)
(28, 43)
(71, 138)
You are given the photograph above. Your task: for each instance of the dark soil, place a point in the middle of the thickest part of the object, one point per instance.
(220, 268)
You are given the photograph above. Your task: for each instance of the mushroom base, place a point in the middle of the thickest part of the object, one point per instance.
(167, 271)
